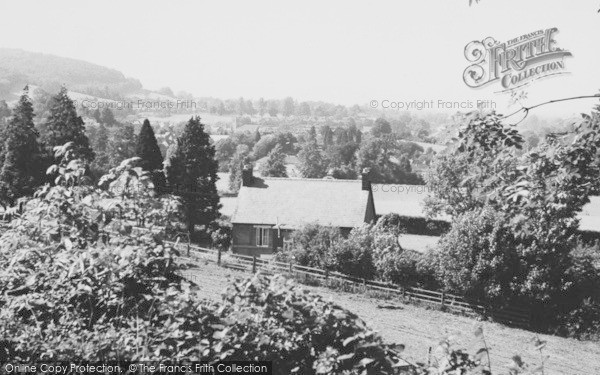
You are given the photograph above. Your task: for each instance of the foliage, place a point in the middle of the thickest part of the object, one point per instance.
(64, 125)
(21, 171)
(477, 258)
(312, 162)
(354, 255)
(147, 148)
(224, 151)
(274, 166)
(536, 195)
(381, 156)
(381, 127)
(134, 185)
(240, 160)
(311, 245)
(122, 145)
(192, 174)
(264, 146)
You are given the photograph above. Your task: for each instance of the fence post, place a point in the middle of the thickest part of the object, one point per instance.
(364, 285)
(218, 256)
(253, 263)
(290, 268)
(443, 298)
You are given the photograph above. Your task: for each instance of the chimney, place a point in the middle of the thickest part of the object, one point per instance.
(247, 176)
(365, 178)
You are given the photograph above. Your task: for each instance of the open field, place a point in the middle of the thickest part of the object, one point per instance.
(420, 328)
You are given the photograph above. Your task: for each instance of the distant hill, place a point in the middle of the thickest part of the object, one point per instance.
(18, 67)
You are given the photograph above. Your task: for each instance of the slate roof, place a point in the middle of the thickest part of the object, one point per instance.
(404, 200)
(292, 203)
(407, 200)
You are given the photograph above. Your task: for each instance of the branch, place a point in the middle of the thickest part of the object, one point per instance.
(526, 110)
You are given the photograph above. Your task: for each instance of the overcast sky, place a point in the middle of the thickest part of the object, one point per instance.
(340, 51)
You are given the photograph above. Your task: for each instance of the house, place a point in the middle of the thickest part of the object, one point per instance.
(270, 209)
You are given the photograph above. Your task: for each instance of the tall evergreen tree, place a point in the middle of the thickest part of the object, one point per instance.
(64, 125)
(21, 171)
(147, 148)
(192, 175)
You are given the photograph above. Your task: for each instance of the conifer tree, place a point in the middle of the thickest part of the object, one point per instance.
(147, 148)
(192, 175)
(64, 125)
(21, 171)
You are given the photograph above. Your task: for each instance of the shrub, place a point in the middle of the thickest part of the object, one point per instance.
(125, 301)
(354, 255)
(476, 257)
(311, 245)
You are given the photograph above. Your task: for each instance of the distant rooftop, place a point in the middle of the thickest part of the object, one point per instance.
(294, 202)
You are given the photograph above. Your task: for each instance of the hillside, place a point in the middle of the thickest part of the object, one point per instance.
(18, 67)
(420, 328)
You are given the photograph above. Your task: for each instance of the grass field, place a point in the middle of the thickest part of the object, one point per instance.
(420, 328)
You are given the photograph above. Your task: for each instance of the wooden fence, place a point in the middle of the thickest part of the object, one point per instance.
(514, 316)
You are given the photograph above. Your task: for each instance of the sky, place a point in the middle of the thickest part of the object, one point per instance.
(344, 52)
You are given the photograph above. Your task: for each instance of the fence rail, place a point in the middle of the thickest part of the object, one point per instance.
(515, 316)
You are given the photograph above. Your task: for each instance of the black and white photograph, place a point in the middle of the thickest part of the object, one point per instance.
(300, 187)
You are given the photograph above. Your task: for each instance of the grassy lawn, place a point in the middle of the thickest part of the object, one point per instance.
(420, 328)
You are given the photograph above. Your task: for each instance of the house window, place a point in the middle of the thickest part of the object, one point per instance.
(262, 236)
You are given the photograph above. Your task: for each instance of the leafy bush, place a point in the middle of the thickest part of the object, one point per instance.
(311, 245)
(476, 257)
(354, 255)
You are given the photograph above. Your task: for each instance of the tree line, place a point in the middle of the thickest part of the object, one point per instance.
(27, 151)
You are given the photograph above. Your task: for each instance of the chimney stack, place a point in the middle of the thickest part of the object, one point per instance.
(365, 178)
(247, 175)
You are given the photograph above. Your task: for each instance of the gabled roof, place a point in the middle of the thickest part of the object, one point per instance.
(292, 203)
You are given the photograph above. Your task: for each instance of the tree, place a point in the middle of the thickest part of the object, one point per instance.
(265, 145)
(262, 107)
(381, 127)
(538, 194)
(274, 166)
(224, 151)
(273, 109)
(381, 156)
(21, 171)
(312, 162)
(237, 164)
(4, 111)
(100, 143)
(147, 148)
(256, 136)
(327, 134)
(107, 117)
(192, 175)
(63, 125)
(312, 134)
(288, 106)
(122, 145)
(304, 109)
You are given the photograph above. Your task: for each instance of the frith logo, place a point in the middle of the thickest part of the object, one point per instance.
(515, 63)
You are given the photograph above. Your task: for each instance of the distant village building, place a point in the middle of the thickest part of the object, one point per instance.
(269, 209)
